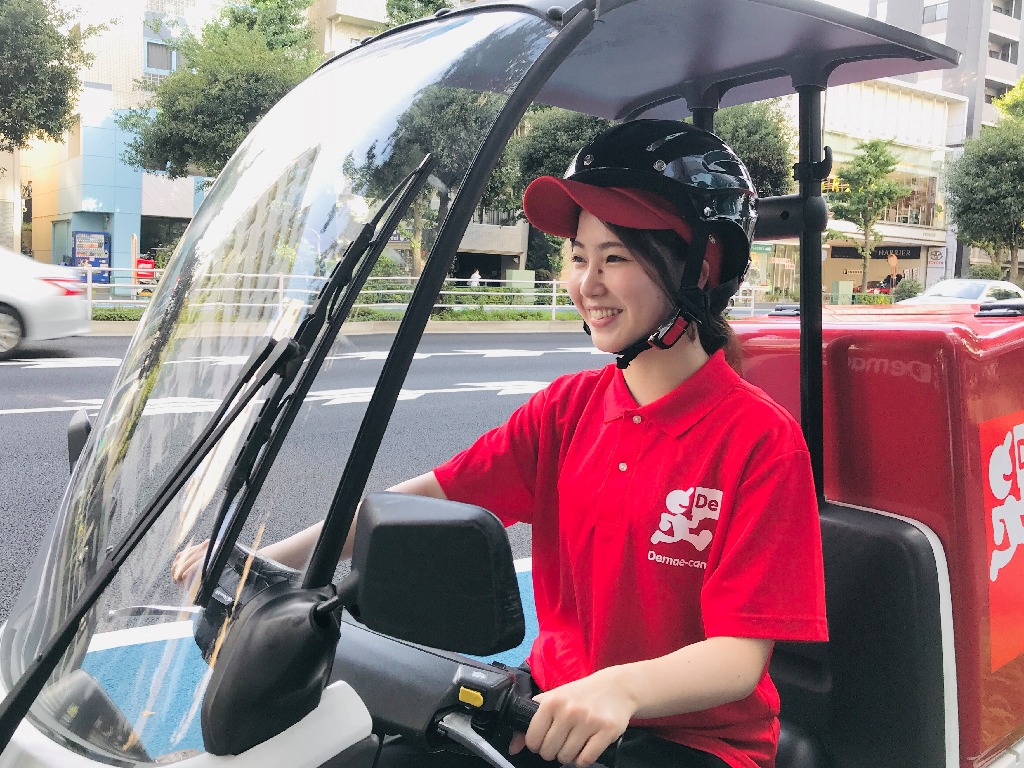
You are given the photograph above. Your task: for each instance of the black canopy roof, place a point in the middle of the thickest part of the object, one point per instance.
(663, 58)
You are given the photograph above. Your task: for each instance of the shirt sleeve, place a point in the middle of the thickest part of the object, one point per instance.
(768, 581)
(499, 471)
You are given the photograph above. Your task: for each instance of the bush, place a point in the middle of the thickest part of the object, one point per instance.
(986, 272)
(872, 298)
(906, 288)
(117, 313)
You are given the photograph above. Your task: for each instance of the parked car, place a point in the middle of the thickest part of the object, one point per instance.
(38, 301)
(966, 291)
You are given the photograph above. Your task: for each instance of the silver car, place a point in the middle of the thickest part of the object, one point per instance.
(967, 291)
(38, 301)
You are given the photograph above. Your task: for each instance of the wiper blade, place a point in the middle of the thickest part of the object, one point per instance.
(262, 364)
(316, 334)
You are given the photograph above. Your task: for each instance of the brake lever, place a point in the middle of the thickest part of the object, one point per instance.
(458, 726)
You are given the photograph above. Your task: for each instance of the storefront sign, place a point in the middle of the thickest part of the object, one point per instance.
(903, 252)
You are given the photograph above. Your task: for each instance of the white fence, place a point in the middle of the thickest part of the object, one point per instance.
(120, 287)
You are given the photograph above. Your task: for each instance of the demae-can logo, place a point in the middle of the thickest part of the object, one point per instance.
(685, 511)
(1002, 456)
(913, 369)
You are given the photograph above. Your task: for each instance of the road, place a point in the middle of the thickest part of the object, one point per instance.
(459, 386)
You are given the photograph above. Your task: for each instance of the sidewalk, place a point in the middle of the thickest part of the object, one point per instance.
(127, 328)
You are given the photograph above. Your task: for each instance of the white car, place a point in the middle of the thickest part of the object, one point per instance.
(38, 301)
(966, 291)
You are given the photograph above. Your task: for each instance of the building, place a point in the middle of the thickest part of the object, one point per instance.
(986, 32)
(85, 199)
(923, 125)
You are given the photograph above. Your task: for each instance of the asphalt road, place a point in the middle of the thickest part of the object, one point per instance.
(459, 386)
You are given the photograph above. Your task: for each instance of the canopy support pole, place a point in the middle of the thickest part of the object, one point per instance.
(809, 171)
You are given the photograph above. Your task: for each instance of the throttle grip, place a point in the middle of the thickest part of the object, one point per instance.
(521, 711)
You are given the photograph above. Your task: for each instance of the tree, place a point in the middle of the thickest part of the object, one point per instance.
(761, 134)
(237, 69)
(404, 11)
(866, 191)
(983, 190)
(39, 66)
(1011, 103)
(547, 142)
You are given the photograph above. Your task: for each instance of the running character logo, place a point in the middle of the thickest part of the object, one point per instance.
(686, 511)
(1002, 443)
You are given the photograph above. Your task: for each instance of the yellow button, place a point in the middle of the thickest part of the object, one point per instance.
(471, 697)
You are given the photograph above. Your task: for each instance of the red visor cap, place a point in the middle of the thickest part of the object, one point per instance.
(553, 205)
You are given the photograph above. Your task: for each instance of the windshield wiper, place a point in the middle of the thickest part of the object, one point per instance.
(316, 334)
(271, 357)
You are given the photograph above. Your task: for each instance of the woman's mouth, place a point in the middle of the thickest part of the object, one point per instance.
(602, 314)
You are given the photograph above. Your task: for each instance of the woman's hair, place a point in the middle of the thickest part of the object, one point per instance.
(662, 254)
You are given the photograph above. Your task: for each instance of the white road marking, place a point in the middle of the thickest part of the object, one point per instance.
(238, 360)
(180, 405)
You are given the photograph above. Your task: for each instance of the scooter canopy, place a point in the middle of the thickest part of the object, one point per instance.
(314, 186)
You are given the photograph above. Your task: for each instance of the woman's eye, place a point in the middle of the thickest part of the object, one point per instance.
(577, 259)
(617, 257)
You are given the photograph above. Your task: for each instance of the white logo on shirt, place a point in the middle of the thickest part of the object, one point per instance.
(686, 510)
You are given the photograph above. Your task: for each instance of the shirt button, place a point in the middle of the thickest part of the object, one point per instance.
(622, 466)
(637, 419)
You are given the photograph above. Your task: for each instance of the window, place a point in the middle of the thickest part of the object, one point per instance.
(936, 12)
(159, 56)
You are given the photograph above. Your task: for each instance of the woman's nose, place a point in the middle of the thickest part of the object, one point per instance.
(593, 281)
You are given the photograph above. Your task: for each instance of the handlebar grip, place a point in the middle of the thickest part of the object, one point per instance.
(520, 712)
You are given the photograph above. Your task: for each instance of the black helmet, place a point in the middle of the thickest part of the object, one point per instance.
(697, 172)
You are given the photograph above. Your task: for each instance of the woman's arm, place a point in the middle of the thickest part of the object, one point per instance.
(576, 722)
(295, 550)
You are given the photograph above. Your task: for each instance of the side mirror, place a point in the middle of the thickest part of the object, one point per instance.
(436, 573)
(79, 429)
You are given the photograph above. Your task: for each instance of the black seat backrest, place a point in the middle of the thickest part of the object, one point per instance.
(871, 696)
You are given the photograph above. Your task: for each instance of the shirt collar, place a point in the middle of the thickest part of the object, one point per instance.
(681, 408)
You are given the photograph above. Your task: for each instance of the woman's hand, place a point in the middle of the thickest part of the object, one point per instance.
(578, 721)
(188, 561)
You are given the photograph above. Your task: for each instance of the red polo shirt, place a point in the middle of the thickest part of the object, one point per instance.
(656, 527)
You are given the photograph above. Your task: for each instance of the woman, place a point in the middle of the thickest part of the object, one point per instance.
(675, 528)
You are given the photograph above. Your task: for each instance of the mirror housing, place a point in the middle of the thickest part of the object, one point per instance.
(434, 572)
(79, 429)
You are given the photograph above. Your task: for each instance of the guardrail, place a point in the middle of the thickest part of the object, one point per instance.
(120, 287)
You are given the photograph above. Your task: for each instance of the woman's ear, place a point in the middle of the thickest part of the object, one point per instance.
(705, 273)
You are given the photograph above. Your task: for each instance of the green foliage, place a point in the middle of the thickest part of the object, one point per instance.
(1011, 103)
(867, 191)
(762, 135)
(404, 11)
(117, 313)
(39, 66)
(545, 146)
(871, 298)
(906, 288)
(238, 68)
(983, 189)
(986, 272)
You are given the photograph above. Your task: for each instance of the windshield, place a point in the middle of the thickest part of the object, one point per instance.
(957, 289)
(277, 219)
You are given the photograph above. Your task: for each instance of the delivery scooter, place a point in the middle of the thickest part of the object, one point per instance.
(99, 659)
